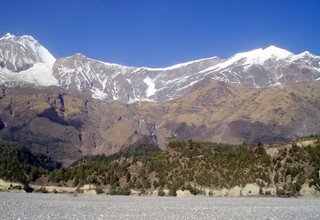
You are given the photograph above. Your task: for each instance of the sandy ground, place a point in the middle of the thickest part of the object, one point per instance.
(4, 186)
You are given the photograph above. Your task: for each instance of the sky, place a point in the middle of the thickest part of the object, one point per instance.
(164, 32)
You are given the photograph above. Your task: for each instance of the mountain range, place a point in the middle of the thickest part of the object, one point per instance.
(25, 60)
(76, 106)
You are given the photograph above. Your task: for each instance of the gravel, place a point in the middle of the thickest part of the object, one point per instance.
(63, 206)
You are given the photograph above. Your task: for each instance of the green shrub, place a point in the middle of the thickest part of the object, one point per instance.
(161, 192)
(124, 191)
(112, 190)
(98, 190)
(172, 191)
(27, 188)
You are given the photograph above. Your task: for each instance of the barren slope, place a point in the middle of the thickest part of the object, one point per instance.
(66, 125)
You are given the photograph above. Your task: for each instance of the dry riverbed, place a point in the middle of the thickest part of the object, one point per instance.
(64, 206)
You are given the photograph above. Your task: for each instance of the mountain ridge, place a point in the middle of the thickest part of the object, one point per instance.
(271, 66)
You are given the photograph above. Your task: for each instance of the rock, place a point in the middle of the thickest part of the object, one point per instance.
(251, 189)
(183, 193)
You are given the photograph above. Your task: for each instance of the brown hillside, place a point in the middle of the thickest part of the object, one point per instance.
(66, 125)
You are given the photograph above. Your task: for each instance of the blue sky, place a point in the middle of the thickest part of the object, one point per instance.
(164, 32)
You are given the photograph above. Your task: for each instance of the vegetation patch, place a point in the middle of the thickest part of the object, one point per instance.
(183, 165)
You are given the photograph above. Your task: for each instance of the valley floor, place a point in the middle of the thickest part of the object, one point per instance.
(64, 206)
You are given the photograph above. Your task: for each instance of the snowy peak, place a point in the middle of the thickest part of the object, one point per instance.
(21, 53)
(277, 52)
(303, 56)
(266, 67)
(25, 60)
(7, 36)
(78, 55)
(259, 56)
(85, 74)
(41, 53)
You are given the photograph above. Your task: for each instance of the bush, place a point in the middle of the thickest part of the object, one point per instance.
(298, 184)
(27, 188)
(173, 192)
(280, 192)
(138, 184)
(34, 174)
(125, 191)
(146, 184)
(194, 190)
(98, 190)
(161, 192)
(112, 190)
(260, 191)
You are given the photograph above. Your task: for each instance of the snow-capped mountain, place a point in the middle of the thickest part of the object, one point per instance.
(266, 67)
(24, 60)
(128, 84)
(258, 68)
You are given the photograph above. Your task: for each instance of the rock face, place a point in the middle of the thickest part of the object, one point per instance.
(66, 125)
(222, 112)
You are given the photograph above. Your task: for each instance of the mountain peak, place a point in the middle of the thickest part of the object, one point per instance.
(28, 37)
(259, 56)
(276, 51)
(76, 56)
(79, 55)
(23, 52)
(7, 36)
(273, 47)
(11, 36)
(303, 55)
